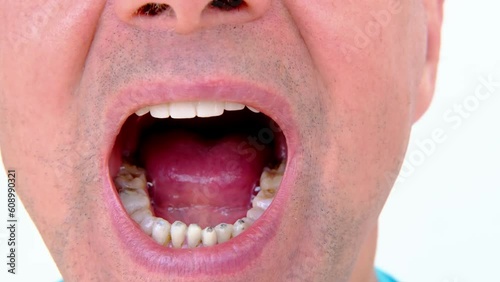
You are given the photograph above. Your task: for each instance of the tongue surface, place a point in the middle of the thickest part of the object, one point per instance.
(202, 180)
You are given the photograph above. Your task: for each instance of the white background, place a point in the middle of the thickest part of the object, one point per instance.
(442, 220)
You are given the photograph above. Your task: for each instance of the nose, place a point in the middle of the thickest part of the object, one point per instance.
(187, 16)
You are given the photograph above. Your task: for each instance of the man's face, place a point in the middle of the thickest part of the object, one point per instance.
(339, 84)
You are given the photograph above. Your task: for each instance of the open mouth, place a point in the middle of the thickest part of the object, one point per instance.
(197, 174)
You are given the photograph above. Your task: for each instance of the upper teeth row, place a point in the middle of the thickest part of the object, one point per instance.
(192, 109)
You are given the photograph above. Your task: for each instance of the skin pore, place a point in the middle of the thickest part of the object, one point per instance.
(353, 100)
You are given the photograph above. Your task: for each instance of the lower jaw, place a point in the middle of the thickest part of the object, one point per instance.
(132, 187)
(236, 255)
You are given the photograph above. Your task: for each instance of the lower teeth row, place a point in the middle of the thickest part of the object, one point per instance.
(132, 186)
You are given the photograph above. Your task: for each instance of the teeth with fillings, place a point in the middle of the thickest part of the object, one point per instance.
(184, 110)
(209, 237)
(178, 232)
(132, 189)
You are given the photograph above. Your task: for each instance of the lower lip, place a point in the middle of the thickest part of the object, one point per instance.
(232, 256)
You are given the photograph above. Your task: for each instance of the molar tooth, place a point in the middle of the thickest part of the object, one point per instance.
(135, 184)
(139, 182)
(141, 192)
(231, 106)
(161, 231)
(270, 181)
(223, 232)
(142, 111)
(254, 213)
(209, 109)
(209, 237)
(261, 201)
(178, 233)
(160, 111)
(125, 176)
(133, 201)
(241, 225)
(127, 168)
(143, 178)
(193, 235)
(253, 109)
(182, 110)
(139, 215)
(122, 182)
(147, 224)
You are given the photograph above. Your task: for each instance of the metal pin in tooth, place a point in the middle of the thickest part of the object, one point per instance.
(209, 237)
(241, 225)
(161, 231)
(223, 232)
(178, 233)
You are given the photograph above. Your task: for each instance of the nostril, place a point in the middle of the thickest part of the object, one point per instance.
(152, 9)
(155, 9)
(187, 16)
(228, 4)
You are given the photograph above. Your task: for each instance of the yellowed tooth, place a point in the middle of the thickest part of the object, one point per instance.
(270, 181)
(139, 215)
(193, 235)
(143, 178)
(261, 201)
(127, 168)
(125, 176)
(178, 233)
(223, 232)
(209, 237)
(241, 225)
(123, 181)
(133, 191)
(147, 224)
(161, 231)
(133, 201)
(139, 182)
(134, 185)
(254, 213)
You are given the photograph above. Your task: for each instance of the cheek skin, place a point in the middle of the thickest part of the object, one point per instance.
(354, 118)
(367, 106)
(43, 50)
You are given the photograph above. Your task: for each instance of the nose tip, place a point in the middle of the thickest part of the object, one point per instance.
(187, 16)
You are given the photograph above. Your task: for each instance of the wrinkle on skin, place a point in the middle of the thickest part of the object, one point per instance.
(65, 61)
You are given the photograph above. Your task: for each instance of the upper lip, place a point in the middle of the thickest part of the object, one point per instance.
(238, 252)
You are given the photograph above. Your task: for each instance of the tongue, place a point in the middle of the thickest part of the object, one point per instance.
(202, 180)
